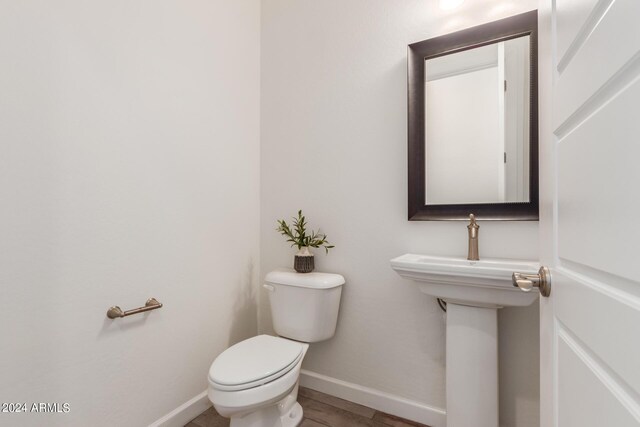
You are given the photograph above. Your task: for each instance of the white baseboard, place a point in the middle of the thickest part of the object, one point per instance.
(384, 402)
(185, 412)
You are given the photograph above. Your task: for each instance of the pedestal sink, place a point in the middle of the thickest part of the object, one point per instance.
(474, 291)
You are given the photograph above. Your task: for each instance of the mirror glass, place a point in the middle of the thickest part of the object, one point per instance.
(477, 124)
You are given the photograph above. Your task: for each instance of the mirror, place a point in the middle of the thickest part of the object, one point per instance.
(473, 123)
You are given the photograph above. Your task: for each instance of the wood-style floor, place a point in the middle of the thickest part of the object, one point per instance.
(322, 410)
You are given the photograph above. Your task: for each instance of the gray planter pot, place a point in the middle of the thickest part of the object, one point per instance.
(304, 263)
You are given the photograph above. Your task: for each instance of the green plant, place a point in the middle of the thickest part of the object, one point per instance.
(299, 237)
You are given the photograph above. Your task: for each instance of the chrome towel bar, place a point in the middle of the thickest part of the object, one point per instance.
(115, 311)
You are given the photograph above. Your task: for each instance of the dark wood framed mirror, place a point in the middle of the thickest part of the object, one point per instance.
(473, 123)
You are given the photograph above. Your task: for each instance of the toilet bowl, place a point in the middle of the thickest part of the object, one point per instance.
(255, 382)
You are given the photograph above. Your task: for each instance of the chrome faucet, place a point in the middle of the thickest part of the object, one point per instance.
(473, 228)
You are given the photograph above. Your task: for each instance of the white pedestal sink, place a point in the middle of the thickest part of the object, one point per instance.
(474, 291)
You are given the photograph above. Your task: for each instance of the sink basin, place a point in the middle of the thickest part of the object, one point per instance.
(484, 283)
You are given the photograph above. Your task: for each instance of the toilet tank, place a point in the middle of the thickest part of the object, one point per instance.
(304, 306)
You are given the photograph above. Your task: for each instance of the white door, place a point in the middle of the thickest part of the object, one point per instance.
(590, 212)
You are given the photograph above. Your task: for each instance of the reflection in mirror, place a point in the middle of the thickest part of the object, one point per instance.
(477, 124)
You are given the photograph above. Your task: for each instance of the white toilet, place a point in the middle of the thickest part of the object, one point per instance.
(255, 382)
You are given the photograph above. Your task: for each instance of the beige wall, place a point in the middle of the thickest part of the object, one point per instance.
(333, 141)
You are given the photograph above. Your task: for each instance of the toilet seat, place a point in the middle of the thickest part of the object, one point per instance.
(254, 362)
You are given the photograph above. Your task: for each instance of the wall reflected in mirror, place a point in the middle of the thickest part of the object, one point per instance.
(477, 124)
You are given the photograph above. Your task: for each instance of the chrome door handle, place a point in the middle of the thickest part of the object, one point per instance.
(526, 282)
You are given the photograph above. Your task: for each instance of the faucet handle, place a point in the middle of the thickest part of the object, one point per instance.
(472, 221)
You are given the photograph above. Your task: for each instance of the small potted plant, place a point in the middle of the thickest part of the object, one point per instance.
(303, 260)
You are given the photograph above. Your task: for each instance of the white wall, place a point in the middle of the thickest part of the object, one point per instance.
(462, 161)
(129, 168)
(333, 140)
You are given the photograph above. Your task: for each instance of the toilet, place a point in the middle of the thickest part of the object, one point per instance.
(255, 382)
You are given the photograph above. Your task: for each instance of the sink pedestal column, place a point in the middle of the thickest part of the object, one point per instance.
(472, 366)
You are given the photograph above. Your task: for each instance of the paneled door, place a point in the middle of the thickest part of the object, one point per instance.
(590, 212)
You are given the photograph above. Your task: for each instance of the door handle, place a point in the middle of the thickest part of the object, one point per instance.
(526, 282)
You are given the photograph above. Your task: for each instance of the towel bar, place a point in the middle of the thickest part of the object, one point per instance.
(115, 311)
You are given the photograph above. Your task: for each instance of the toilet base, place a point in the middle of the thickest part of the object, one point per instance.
(270, 416)
(292, 418)
(283, 411)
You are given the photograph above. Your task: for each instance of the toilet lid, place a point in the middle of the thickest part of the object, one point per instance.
(254, 361)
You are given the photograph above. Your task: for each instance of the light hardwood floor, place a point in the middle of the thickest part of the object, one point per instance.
(322, 410)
